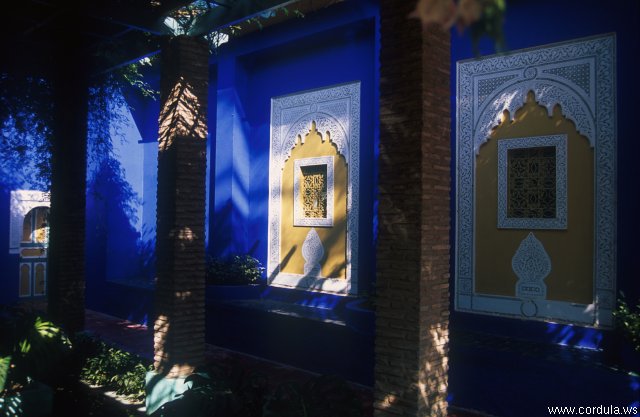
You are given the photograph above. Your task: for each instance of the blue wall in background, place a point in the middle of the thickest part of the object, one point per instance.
(121, 215)
(333, 46)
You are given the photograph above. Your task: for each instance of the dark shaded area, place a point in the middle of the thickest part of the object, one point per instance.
(68, 173)
(506, 376)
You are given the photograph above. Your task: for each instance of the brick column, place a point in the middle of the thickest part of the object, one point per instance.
(414, 215)
(179, 328)
(66, 263)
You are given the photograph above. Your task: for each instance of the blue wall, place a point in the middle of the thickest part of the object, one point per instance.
(333, 46)
(121, 214)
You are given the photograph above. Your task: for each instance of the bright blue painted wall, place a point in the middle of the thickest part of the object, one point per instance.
(333, 46)
(121, 214)
(535, 23)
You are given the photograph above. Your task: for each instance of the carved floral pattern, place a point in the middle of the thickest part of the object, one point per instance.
(531, 264)
(580, 77)
(336, 112)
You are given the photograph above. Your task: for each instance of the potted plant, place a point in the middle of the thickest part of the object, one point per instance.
(30, 349)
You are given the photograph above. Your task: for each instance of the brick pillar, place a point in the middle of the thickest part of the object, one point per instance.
(66, 263)
(412, 315)
(179, 304)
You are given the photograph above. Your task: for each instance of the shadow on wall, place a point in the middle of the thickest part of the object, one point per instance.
(115, 211)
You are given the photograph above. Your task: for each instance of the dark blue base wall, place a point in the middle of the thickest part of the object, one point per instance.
(337, 341)
(508, 378)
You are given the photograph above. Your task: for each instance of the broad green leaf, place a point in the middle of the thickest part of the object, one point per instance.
(5, 364)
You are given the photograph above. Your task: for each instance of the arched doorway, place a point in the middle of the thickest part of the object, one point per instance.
(33, 253)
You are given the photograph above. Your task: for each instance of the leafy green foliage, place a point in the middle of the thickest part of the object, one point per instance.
(490, 24)
(31, 348)
(25, 129)
(219, 391)
(236, 270)
(26, 111)
(236, 393)
(119, 370)
(484, 18)
(5, 363)
(132, 75)
(132, 382)
(627, 319)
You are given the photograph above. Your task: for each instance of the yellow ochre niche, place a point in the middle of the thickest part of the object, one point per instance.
(314, 202)
(571, 249)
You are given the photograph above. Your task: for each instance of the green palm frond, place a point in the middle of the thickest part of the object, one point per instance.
(5, 364)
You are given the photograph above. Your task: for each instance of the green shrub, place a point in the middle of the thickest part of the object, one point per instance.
(233, 392)
(628, 320)
(116, 369)
(132, 382)
(236, 270)
(31, 348)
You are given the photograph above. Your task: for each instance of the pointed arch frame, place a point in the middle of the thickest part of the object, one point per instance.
(578, 75)
(334, 109)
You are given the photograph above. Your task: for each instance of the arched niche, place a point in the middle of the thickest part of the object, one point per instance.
(331, 118)
(32, 278)
(22, 202)
(577, 78)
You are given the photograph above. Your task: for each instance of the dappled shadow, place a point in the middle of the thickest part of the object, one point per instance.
(179, 316)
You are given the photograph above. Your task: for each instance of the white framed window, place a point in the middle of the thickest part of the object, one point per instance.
(532, 182)
(313, 192)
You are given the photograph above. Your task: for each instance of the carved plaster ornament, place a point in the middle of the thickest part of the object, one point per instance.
(579, 76)
(312, 252)
(335, 111)
(531, 264)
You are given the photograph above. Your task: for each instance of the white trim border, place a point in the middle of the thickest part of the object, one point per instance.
(336, 110)
(298, 216)
(578, 75)
(23, 201)
(559, 142)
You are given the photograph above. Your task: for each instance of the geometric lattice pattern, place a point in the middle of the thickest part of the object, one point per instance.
(531, 182)
(579, 76)
(314, 191)
(334, 109)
